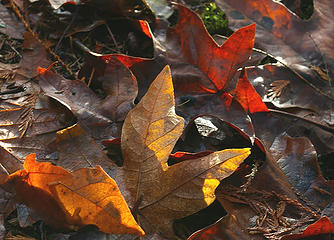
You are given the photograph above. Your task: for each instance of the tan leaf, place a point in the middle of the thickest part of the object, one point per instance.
(86, 154)
(160, 192)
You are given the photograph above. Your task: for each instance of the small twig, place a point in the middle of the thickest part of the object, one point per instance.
(91, 77)
(17, 11)
(75, 14)
(112, 37)
(15, 50)
(75, 62)
(84, 48)
(297, 204)
(323, 59)
(185, 102)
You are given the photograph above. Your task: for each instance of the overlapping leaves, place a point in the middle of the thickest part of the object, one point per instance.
(203, 75)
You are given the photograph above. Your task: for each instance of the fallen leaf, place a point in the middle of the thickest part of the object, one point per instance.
(182, 156)
(8, 162)
(218, 231)
(116, 9)
(189, 42)
(200, 66)
(158, 192)
(24, 112)
(42, 116)
(90, 196)
(101, 118)
(297, 158)
(296, 95)
(301, 110)
(72, 200)
(120, 86)
(18, 148)
(34, 55)
(247, 95)
(87, 152)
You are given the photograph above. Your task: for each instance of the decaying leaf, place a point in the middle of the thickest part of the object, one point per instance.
(7, 205)
(297, 158)
(71, 200)
(9, 24)
(101, 118)
(21, 116)
(34, 55)
(137, 9)
(120, 86)
(8, 162)
(158, 192)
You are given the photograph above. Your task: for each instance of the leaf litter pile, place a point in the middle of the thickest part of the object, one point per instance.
(122, 122)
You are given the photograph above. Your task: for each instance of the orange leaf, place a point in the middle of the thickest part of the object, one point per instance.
(39, 175)
(90, 196)
(72, 200)
(30, 186)
(247, 95)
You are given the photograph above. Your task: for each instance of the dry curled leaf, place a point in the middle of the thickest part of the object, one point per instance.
(100, 117)
(72, 200)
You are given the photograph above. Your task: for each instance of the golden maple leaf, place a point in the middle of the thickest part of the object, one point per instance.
(159, 193)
